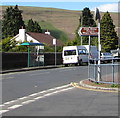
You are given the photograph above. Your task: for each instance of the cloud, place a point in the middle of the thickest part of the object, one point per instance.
(109, 7)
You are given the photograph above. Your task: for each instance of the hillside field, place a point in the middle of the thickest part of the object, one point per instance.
(61, 23)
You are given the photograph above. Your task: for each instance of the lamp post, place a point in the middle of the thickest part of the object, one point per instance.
(97, 17)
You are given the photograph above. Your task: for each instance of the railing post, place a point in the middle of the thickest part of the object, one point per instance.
(88, 70)
(95, 70)
(113, 70)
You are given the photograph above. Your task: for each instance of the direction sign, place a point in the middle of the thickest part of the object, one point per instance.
(88, 31)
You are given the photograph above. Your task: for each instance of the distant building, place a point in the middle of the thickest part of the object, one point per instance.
(44, 38)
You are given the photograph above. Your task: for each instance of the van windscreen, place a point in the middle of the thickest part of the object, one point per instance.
(69, 52)
(82, 51)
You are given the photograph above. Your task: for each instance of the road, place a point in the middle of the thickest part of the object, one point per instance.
(49, 93)
(15, 85)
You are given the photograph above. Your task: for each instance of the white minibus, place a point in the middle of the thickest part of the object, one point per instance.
(78, 54)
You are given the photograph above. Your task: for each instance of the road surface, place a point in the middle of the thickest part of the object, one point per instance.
(49, 93)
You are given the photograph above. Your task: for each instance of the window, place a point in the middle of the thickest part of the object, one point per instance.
(81, 51)
(69, 52)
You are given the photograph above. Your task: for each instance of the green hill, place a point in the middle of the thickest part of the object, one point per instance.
(61, 23)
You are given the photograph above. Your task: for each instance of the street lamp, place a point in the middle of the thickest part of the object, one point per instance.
(97, 17)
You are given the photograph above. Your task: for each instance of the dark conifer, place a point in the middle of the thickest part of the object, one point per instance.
(109, 39)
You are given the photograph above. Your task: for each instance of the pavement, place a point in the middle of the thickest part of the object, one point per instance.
(30, 69)
(112, 89)
(82, 84)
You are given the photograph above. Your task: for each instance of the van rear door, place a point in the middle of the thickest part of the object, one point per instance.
(70, 56)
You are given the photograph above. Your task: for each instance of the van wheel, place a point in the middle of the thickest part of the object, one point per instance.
(91, 62)
(80, 63)
(76, 64)
(66, 65)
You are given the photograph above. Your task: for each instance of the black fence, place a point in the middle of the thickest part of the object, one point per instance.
(13, 60)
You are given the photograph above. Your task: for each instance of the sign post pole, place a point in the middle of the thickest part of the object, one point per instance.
(89, 59)
(81, 26)
(89, 51)
(54, 43)
(99, 49)
(28, 56)
(88, 31)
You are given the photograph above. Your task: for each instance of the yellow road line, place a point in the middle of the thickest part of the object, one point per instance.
(91, 89)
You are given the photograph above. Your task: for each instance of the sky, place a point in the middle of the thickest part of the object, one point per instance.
(102, 5)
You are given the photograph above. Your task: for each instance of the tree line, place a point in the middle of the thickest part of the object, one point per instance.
(13, 21)
(109, 38)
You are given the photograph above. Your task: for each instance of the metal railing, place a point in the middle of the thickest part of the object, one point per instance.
(109, 73)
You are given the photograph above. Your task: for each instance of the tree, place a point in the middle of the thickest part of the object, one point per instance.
(33, 26)
(12, 22)
(109, 39)
(86, 20)
(7, 44)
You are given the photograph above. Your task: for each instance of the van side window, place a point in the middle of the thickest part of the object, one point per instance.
(69, 52)
(82, 52)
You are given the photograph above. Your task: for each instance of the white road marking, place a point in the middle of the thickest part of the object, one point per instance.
(33, 94)
(33, 97)
(14, 106)
(2, 105)
(3, 111)
(23, 98)
(62, 86)
(29, 101)
(9, 102)
(38, 97)
(58, 91)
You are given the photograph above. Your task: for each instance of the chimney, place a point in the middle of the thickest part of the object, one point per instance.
(47, 32)
(22, 35)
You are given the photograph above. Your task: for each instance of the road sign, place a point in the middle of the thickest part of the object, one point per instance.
(54, 41)
(88, 31)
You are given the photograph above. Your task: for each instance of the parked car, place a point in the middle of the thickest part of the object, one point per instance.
(106, 57)
(116, 53)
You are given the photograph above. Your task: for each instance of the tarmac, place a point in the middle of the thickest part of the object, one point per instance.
(82, 84)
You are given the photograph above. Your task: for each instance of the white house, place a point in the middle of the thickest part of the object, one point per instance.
(44, 38)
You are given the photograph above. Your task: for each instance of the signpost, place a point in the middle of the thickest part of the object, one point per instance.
(88, 31)
(93, 31)
(54, 43)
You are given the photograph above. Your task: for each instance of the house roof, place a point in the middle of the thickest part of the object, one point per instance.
(44, 38)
